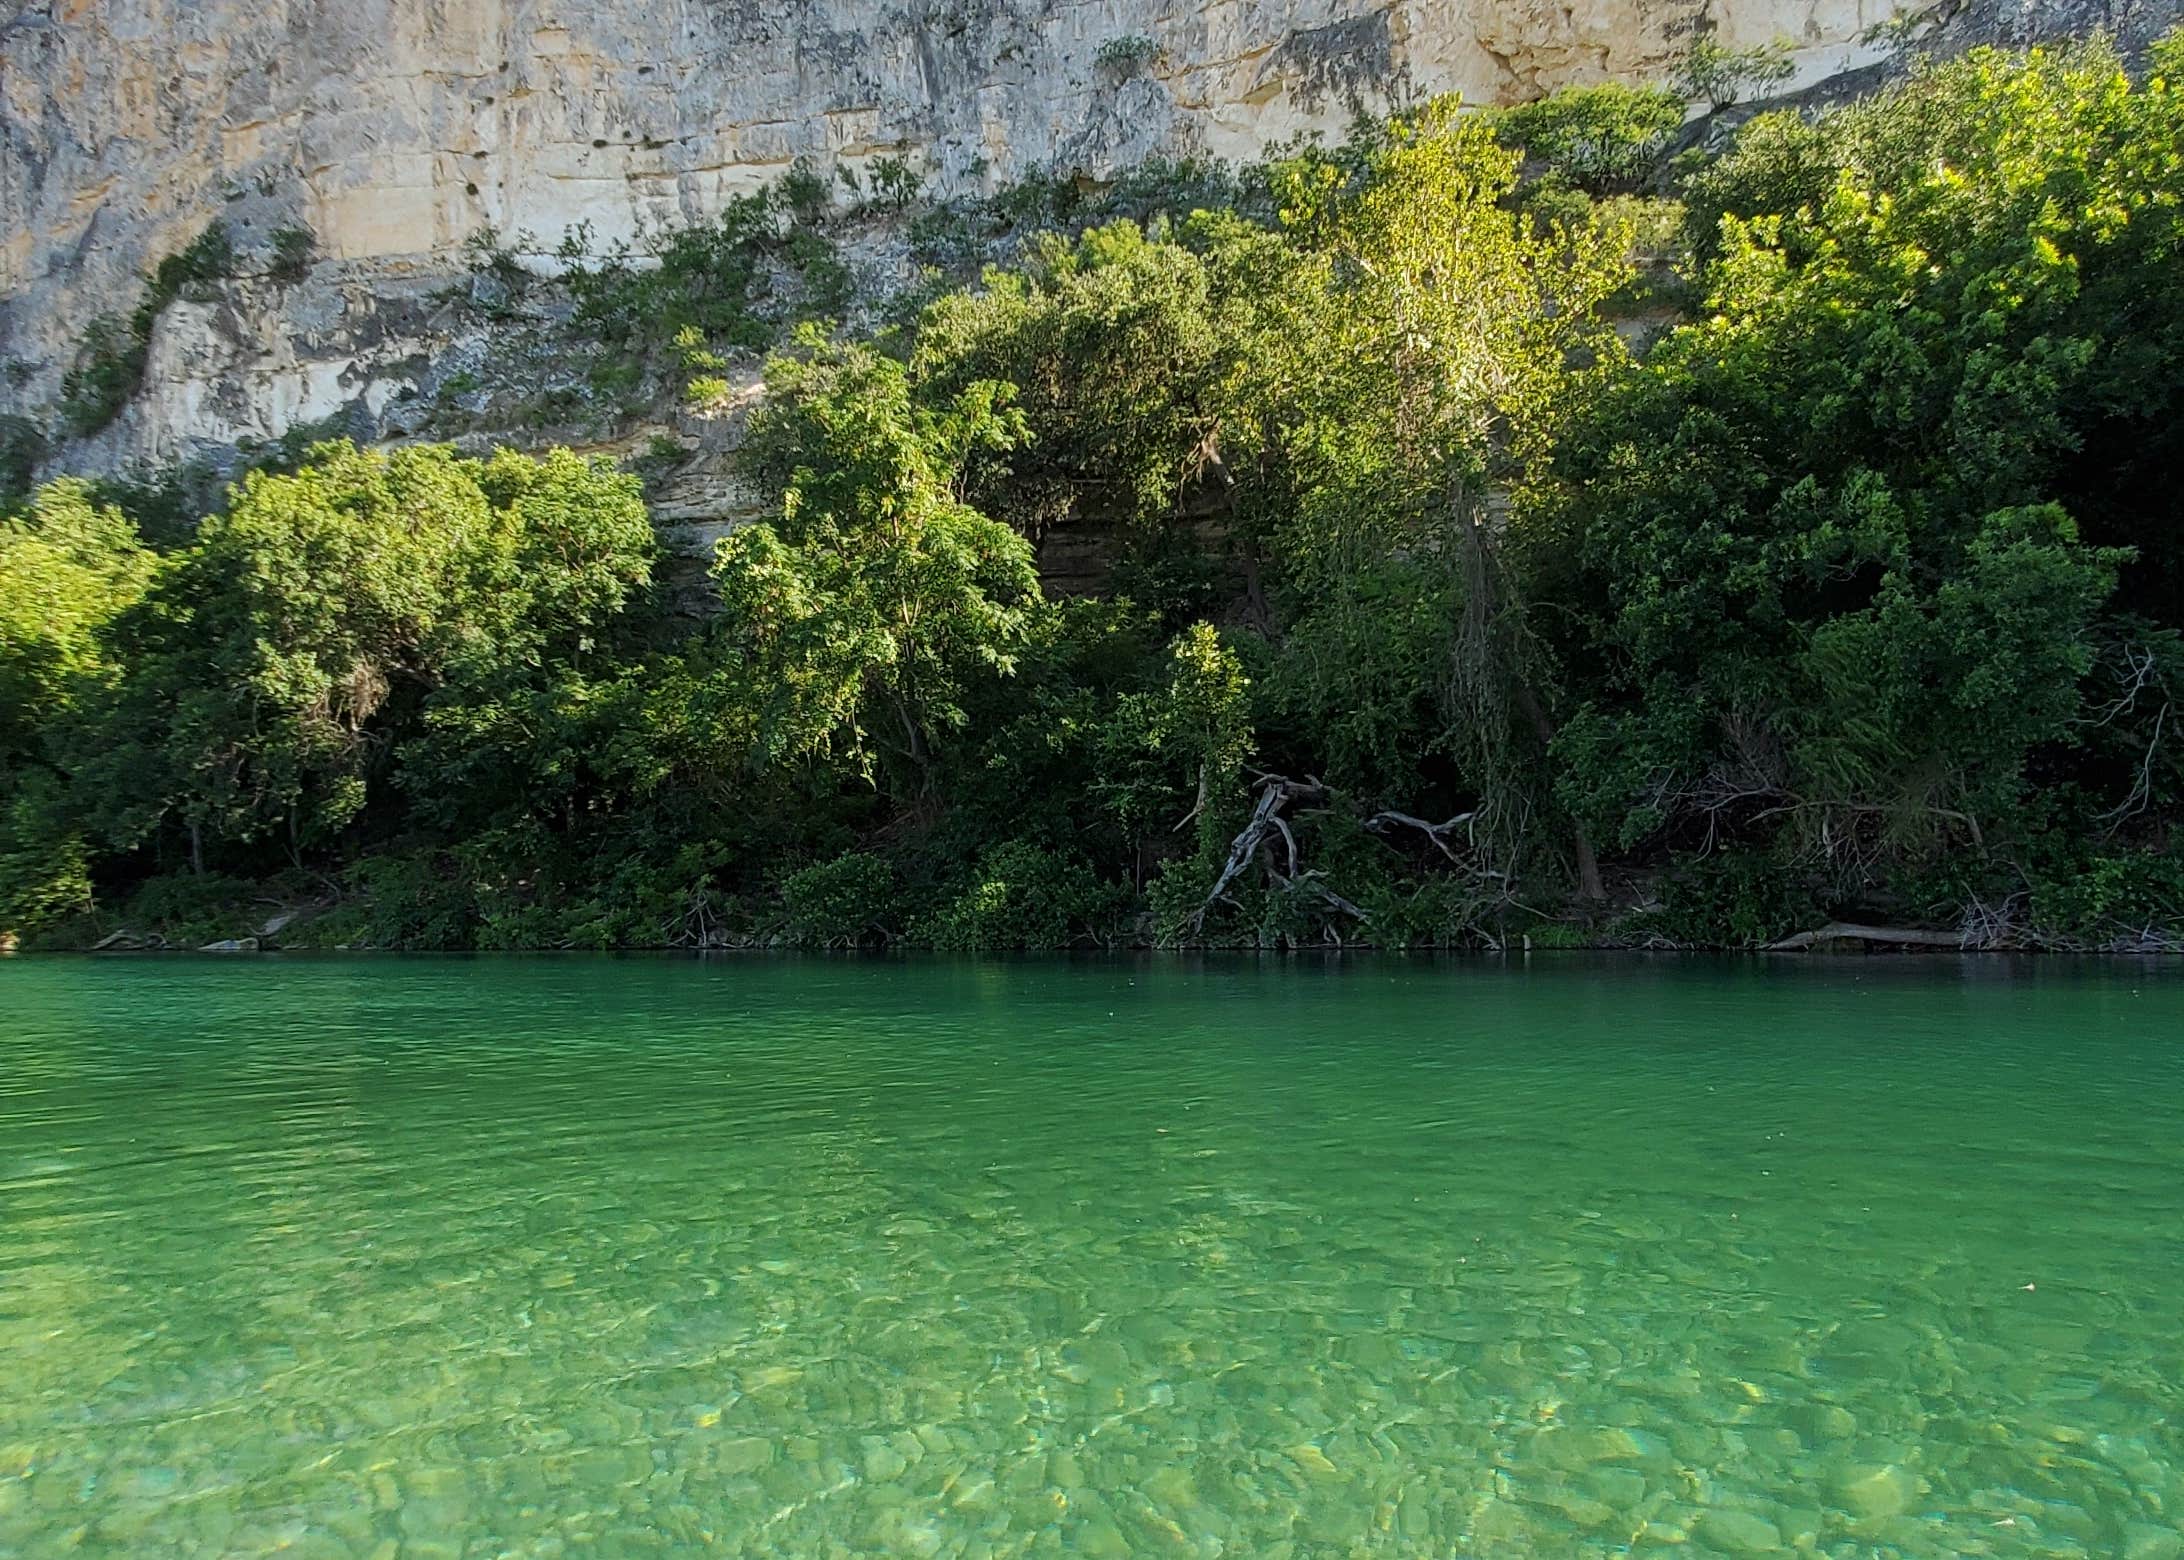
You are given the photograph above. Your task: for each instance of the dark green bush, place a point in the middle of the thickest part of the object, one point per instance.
(895, 184)
(2112, 899)
(803, 192)
(1127, 55)
(45, 868)
(108, 368)
(1022, 896)
(1730, 899)
(1719, 76)
(1438, 911)
(292, 251)
(417, 900)
(22, 445)
(853, 899)
(190, 909)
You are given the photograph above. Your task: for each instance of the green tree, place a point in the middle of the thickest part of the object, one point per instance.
(279, 661)
(1834, 558)
(1449, 348)
(861, 614)
(1135, 359)
(68, 567)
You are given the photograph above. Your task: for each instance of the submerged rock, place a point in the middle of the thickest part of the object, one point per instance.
(745, 1454)
(1872, 1494)
(2144, 1541)
(1739, 1532)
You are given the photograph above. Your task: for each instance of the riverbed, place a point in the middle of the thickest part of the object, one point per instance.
(401, 1258)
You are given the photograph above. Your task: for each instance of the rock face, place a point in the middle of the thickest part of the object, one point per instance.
(396, 129)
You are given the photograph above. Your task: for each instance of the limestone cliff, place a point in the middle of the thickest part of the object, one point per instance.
(394, 129)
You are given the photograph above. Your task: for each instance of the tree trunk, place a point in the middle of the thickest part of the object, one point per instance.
(913, 734)
(1589, 885)
(1483, 606)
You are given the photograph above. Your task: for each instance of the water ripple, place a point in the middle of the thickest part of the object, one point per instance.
(387, 1259)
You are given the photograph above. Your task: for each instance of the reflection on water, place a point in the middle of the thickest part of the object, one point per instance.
(480, 1258)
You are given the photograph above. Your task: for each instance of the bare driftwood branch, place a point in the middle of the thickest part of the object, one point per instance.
(1275, 793)
(1269, 840)
(2142, 789)
(1246, 846)
(2141, 670)
(1315, 881)
(1380, 822)
(1994, 925)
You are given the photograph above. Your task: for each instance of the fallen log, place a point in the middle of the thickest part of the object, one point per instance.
(1848, 931)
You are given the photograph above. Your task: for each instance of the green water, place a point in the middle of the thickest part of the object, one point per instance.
(587, 1257)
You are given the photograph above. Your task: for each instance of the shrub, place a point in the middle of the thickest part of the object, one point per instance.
(710, 289)
(1551, 200)
(1022, 896)
(108, 368)
(803, 192)
(411, 901)
(706, 390)
(1731, 899)
(1171, 187)
(45, 874)
(703, 384)
(1432, 912)
(1599, 138)
(1720, 76)
(206, 259)
(945, 237)
(293, 248)
(661, 455)
(826, 284)
(894, 183)
(22, 446)
(1043, 197)
(1177, 890)
(840, 903)
(190, 909)
(2120, 899)
(1127, 55)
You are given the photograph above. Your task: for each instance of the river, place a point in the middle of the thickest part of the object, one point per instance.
(417, 1259)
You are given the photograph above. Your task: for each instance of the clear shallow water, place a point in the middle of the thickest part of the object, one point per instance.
(421, 1258)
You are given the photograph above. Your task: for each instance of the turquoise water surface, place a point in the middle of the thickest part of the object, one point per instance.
(409, 1258)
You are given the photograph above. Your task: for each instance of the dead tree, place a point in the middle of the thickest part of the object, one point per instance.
(1255, 842)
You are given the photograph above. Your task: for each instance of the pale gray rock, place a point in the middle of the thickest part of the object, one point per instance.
(395, 130)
